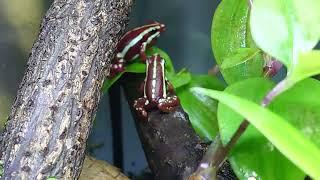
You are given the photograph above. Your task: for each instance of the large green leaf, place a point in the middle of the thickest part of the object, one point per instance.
(239, 56)
(135, 67)
(179, 79)
(253, 89)
(285, 28)
(253, 155)
(230, 31)
(250, 155)
(301, 106)
(202, 110)
(298, 148)
(308, 64)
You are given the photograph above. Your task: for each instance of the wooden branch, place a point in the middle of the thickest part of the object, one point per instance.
(94, 169)
(52, 115)
(172, 147)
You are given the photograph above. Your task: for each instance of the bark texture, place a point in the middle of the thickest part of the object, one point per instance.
(172, 147)
(52, 115)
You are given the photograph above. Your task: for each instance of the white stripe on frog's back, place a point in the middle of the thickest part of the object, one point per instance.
(153, 36)
(135, 40)
(145, 80)
(154, 77)
(163, 79)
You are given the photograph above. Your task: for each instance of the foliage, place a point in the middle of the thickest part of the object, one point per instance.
(254, 152)
(230, 33)
(288, 31)
(202, 110)
(282, 141)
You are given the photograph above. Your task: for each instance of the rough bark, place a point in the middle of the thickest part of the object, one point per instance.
(172, 147)
(52, 115)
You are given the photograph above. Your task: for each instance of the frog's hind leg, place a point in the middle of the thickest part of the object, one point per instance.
(168, 104)
(139, 106)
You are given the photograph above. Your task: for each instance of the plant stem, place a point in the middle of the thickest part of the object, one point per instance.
(250, 3)
(217, 152)
(271, 68)
(278, 89)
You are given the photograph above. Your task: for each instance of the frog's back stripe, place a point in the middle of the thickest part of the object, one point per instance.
(129, 46)
(147, 40)
(155, 86)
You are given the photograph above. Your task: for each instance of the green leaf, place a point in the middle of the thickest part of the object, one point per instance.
(109, 82)
(230, 31)
(137, 67)
(1, 168)
(300, 105)
(285, 28)
(182, 78)
(165, 56)
(299, 149)
(253, 89)
(308, 64)
(238, 57)
(206, 81)
(253, 155)
(202, 110)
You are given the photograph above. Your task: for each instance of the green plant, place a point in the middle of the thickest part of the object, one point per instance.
(282, 140)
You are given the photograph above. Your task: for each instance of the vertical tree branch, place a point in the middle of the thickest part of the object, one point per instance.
(172, 147)
(52, 115)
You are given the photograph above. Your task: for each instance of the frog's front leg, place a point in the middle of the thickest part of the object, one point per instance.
(117, 67)
(168, 104)
(141, 106)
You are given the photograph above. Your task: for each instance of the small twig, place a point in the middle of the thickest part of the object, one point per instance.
(234, 139)
(278, 89)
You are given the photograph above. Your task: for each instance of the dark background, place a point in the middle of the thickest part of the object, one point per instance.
(186, 40)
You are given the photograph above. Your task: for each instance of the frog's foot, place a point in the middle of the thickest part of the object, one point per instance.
(168, 104)
(116, 68)
(139, 106)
